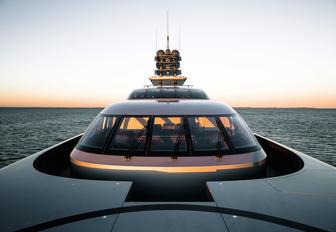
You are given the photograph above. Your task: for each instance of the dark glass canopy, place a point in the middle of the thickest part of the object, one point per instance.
(168, 135)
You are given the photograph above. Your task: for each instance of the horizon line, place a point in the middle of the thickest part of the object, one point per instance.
(102, 107)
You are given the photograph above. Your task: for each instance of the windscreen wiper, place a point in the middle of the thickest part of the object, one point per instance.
(220, 141)
(135, 143)
(177, 143)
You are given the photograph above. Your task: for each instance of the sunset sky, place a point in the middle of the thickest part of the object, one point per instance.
(248, 53)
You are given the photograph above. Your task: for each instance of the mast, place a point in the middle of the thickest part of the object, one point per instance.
(167, 30)
(167, 70)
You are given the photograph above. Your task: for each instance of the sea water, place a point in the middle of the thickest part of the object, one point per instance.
(24, 131)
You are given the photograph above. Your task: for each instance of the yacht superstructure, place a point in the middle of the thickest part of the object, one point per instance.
(168, 140)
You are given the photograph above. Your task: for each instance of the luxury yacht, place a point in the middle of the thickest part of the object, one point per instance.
(168, 159)
(168, 140)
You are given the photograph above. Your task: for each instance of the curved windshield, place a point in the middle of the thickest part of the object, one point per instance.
(169, 135)
(97, 133)
(238, 132)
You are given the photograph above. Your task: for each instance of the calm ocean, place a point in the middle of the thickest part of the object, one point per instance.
(24, 131)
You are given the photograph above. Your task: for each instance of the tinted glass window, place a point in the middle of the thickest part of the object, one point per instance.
(240, 135)
(160, 93)
(205, 135)
(131, 135)
(97, 133)
(137, 94)
(154, 93)
(198, 94)
(183, 93)
(168, 135)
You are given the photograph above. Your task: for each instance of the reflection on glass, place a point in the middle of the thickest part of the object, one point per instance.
(131, 135)
(240, 135)
(208, 135)
(98, 131)
(168, 135)
(205, 135)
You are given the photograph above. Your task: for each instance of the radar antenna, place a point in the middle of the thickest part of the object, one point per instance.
(156, 37)
(179, 39)
(167, 70)
(167, 30)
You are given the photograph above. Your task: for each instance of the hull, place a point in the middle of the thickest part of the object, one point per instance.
(164, 179)
(159, 186)
(40, 192)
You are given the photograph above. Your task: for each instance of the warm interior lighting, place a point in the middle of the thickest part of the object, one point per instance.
(172, 169)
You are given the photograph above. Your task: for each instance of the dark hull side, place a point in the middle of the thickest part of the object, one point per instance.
(158, 186)
(40, 192)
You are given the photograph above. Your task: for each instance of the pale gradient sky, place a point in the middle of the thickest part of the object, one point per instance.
(267, 53)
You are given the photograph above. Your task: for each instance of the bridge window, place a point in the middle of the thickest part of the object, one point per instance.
(239, 133)
(97, 132)
(206, 135)
(168, 136)
(131, 135)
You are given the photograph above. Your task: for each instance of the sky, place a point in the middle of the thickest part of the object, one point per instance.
(246, 53)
